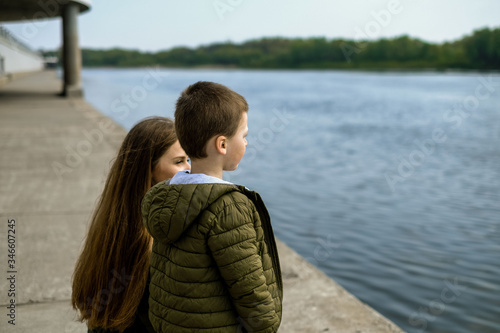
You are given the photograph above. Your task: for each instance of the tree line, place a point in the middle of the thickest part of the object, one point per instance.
(481, 50)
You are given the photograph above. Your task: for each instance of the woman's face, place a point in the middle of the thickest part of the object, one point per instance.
(171, 162)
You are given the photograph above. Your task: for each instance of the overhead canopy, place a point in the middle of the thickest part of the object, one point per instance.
(27, 10)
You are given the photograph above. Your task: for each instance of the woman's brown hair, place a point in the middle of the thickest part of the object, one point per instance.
(112, 271)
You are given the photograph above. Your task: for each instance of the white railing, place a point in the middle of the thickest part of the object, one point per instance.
(17, 57)
(9, 39)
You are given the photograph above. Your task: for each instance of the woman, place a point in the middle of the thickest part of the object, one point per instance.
(111, 275)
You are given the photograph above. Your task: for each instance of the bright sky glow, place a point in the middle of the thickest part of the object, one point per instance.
(155, 24)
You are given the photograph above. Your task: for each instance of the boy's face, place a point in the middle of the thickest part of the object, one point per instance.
(236, 145)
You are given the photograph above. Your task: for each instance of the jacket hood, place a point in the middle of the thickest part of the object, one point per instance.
(169, 210)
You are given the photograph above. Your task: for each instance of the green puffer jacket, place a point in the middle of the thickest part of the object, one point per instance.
(214, 266)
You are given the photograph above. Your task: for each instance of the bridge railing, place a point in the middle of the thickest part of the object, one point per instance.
(16, 57)
(8, 39)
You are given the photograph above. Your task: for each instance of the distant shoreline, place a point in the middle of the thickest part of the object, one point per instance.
(477, 52)
(384, 70)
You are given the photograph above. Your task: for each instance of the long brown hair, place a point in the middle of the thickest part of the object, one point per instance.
(111, 273)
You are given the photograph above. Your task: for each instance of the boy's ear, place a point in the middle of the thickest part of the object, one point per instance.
(221, 144)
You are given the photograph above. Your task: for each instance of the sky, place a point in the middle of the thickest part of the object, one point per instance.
(154, 25)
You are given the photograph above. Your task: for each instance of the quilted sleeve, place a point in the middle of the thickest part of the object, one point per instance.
(236, 242)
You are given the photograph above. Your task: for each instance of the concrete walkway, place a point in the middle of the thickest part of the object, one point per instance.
(55, 154)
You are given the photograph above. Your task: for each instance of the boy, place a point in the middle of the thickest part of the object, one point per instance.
(214, 265)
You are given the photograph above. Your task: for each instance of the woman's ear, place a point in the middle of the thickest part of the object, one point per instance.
(221, 144)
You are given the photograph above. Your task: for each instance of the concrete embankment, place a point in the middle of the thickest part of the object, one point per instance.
(55, 156)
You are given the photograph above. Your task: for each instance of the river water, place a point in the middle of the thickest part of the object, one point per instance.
(388, 182)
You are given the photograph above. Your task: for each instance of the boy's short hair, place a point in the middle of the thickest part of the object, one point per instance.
(204, 110)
